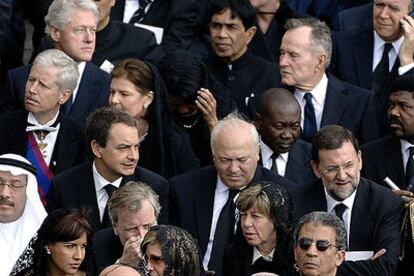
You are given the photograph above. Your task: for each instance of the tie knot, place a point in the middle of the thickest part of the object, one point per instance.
(340, 209)
(274, 156)
(110, 189)
(143, 3)
(387, 48)
(308, 97)
(233, 193)
(411, 151)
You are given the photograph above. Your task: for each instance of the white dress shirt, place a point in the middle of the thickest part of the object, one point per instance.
(405, 152)
(318, 100)
(101, 194)
(281, 160)
(130, 7)
(81, 69)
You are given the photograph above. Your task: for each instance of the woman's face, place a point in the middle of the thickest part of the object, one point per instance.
(155, 263)
(66, 257)
(126, 96)
(258, 229)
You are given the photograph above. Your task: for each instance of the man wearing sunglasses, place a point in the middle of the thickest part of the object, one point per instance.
(320, 241)
(371, 213)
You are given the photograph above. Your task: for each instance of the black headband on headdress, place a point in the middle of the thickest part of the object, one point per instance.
(18, 163)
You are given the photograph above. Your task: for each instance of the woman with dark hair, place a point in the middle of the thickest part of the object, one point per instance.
(61, 247)
(265, 244)
(192, 99)
(138, 89)
(170, 250)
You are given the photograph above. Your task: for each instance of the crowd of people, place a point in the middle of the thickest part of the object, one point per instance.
(210, 137)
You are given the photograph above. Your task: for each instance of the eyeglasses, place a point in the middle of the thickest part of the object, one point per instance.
(334, 170)
(14, 184)
(321, 245)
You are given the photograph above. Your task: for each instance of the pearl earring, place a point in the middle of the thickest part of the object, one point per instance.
(146, 105)
(48, 251)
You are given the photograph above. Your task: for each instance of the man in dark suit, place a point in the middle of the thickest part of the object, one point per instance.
(373, 57)
(113, 139)
(324, 100)
(75, 37)
(133, 208)
(278, 123)
(179, 19)
(239, 73)
(200, 197)
(50, 141)
(371, 213)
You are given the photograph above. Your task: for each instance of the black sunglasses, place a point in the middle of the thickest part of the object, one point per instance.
(321, 245)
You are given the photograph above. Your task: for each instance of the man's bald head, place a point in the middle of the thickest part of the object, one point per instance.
(278, 119)
(119, 270)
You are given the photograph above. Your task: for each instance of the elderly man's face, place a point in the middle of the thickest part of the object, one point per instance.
(43, 96)
(339, 170)
(299, 65)
(235, 157)
(77, 38)
(401, 115)
(12, 196)
(312, 261)
(386, 18)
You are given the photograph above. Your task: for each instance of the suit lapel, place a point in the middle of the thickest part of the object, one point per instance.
(87, 196)
(393, 162)
(334, 102)
(295, 162)
(362, 50)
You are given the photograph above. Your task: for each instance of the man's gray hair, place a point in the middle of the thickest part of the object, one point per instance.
(130, 197)
(324, 219)
(233, 121)
(60, 12)
(68, 75)
(320, 38)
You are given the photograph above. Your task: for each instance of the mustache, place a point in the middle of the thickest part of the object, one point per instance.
(5, 201)
(395, 120)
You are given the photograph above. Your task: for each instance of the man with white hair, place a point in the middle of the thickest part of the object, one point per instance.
(21, 211)
(51, 142)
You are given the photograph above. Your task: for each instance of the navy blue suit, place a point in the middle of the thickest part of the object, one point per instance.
(93, 91)
(75, 188)
(375, 224)
(383, 158)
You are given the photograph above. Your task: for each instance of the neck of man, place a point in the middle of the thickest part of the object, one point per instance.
(312, 83)
(102, 169)
(102, 24)
(45, 117)
(266, 14)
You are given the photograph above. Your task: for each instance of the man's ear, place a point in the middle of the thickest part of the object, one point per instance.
(340, 257)
(315, 169)
(258, 121)
(250, 34)
(96, 149)
(54, 34)
(64, 96)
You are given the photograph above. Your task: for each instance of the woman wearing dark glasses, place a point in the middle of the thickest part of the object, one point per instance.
(320, 241)
(264, 242)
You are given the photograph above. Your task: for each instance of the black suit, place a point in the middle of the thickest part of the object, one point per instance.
(192, 200)
(67, 193)
(107, 248)
(178, 18)
(93, 91)
(375, 224)
(383, 158)
(69, 149)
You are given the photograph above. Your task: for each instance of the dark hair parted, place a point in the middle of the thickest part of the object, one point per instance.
(274, 202)
(100, 121)
(239, 8)
(403, 83)
(61, 225)
(137, 72)
(184, 74)
(324, 219)
(331, 137)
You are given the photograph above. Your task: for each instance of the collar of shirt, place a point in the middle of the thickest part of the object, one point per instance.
(404, 151)
(379, 48)
(101, 182)
(318, 100)
(257, 255)
(267, 160)
(331, 202)
(130, 7)
(81, 69)
(32, 120)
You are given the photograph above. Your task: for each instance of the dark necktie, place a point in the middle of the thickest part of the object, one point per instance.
(274, 156)
(110, 189)
(409, 170)
(224, 233)
(339, 210)
(309, 125)
(138, 15)
(382, 70)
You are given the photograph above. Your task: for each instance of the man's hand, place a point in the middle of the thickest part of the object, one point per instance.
(406, 196)
(380, 253)
(131, 255)
(207, 105)
(406, 53)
